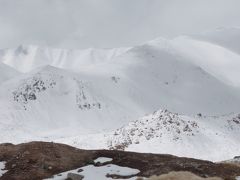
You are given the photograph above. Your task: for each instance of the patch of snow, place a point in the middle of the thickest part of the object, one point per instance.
(102, 160)
(91, 172)
(2, 167)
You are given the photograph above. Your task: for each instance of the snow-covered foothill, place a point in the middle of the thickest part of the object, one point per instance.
(204, 137)
(212, 138)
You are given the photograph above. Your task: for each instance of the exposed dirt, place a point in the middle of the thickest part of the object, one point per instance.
(38, 160)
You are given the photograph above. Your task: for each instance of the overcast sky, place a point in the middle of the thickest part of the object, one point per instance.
(109, 23)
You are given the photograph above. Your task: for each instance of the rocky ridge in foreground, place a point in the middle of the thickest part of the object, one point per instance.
(39, 160)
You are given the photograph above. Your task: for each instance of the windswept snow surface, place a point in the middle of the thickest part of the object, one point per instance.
(66, 94)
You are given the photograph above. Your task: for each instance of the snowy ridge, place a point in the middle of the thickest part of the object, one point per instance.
(28, 57)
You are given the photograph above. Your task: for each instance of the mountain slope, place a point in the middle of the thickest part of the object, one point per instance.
(50, 101)
(172, 82)
(6, 72)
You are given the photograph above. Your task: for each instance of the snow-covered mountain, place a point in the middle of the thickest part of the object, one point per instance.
(169, 73)
(62, 94)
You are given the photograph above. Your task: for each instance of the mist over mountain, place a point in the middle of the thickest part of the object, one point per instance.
(143, 76)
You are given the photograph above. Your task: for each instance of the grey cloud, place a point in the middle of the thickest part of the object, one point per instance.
(108, 23)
